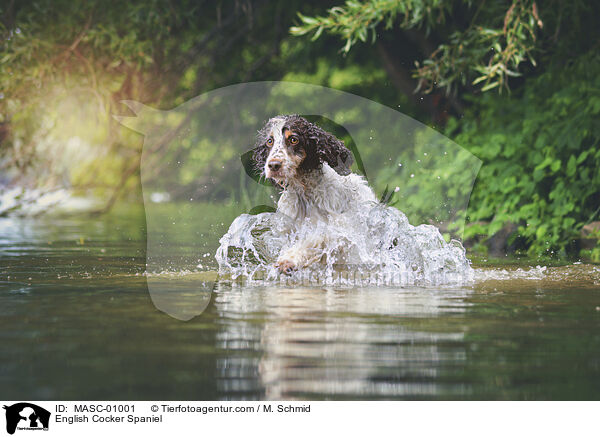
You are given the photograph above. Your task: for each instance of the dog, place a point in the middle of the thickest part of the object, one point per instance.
(312, 167)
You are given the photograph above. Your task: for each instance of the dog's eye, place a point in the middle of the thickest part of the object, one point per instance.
(294, 141)
(270, 142)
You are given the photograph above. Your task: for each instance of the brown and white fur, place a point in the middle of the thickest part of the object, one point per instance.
(313, 168)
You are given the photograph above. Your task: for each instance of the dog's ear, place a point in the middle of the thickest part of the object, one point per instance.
(333, 151)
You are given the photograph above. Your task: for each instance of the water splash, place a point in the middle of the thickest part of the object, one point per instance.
(376, 247)
(577, 276)
(501, 274)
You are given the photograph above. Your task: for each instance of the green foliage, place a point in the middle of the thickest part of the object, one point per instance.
(358, 21)
(496, 39)
(541, 153)
(592, 254)
(494, 53)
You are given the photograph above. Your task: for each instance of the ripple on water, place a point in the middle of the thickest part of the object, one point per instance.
(568, 276)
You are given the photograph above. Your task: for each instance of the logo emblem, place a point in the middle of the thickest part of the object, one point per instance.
(26, 416)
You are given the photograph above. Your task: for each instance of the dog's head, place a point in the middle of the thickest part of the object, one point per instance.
(289, 146)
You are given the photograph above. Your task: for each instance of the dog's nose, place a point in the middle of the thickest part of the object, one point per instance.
(274, 165)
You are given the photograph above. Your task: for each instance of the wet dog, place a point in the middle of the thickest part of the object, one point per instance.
(312, 167)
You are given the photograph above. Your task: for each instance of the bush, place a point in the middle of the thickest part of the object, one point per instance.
(540, 152)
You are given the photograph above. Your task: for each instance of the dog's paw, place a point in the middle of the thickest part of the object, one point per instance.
(285, 266)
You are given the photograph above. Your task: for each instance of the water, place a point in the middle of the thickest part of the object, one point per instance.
(377, 245)
(77, 322)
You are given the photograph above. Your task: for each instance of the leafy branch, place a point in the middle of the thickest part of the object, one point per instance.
(485, 53)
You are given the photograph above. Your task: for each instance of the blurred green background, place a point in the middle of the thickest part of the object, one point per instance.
(514, 82)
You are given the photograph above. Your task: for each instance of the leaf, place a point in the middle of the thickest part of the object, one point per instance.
(490, 86)
(362, 34)
(307, 20)
(479, 79)
(545, 163)
(317, 34)
(540, 232)
(348, 45)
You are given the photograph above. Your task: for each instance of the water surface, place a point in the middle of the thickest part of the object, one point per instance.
(77, 322)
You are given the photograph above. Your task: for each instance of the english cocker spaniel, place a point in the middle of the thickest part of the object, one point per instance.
(312, 167)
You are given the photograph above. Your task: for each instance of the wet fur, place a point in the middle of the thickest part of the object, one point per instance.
(316, 180)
